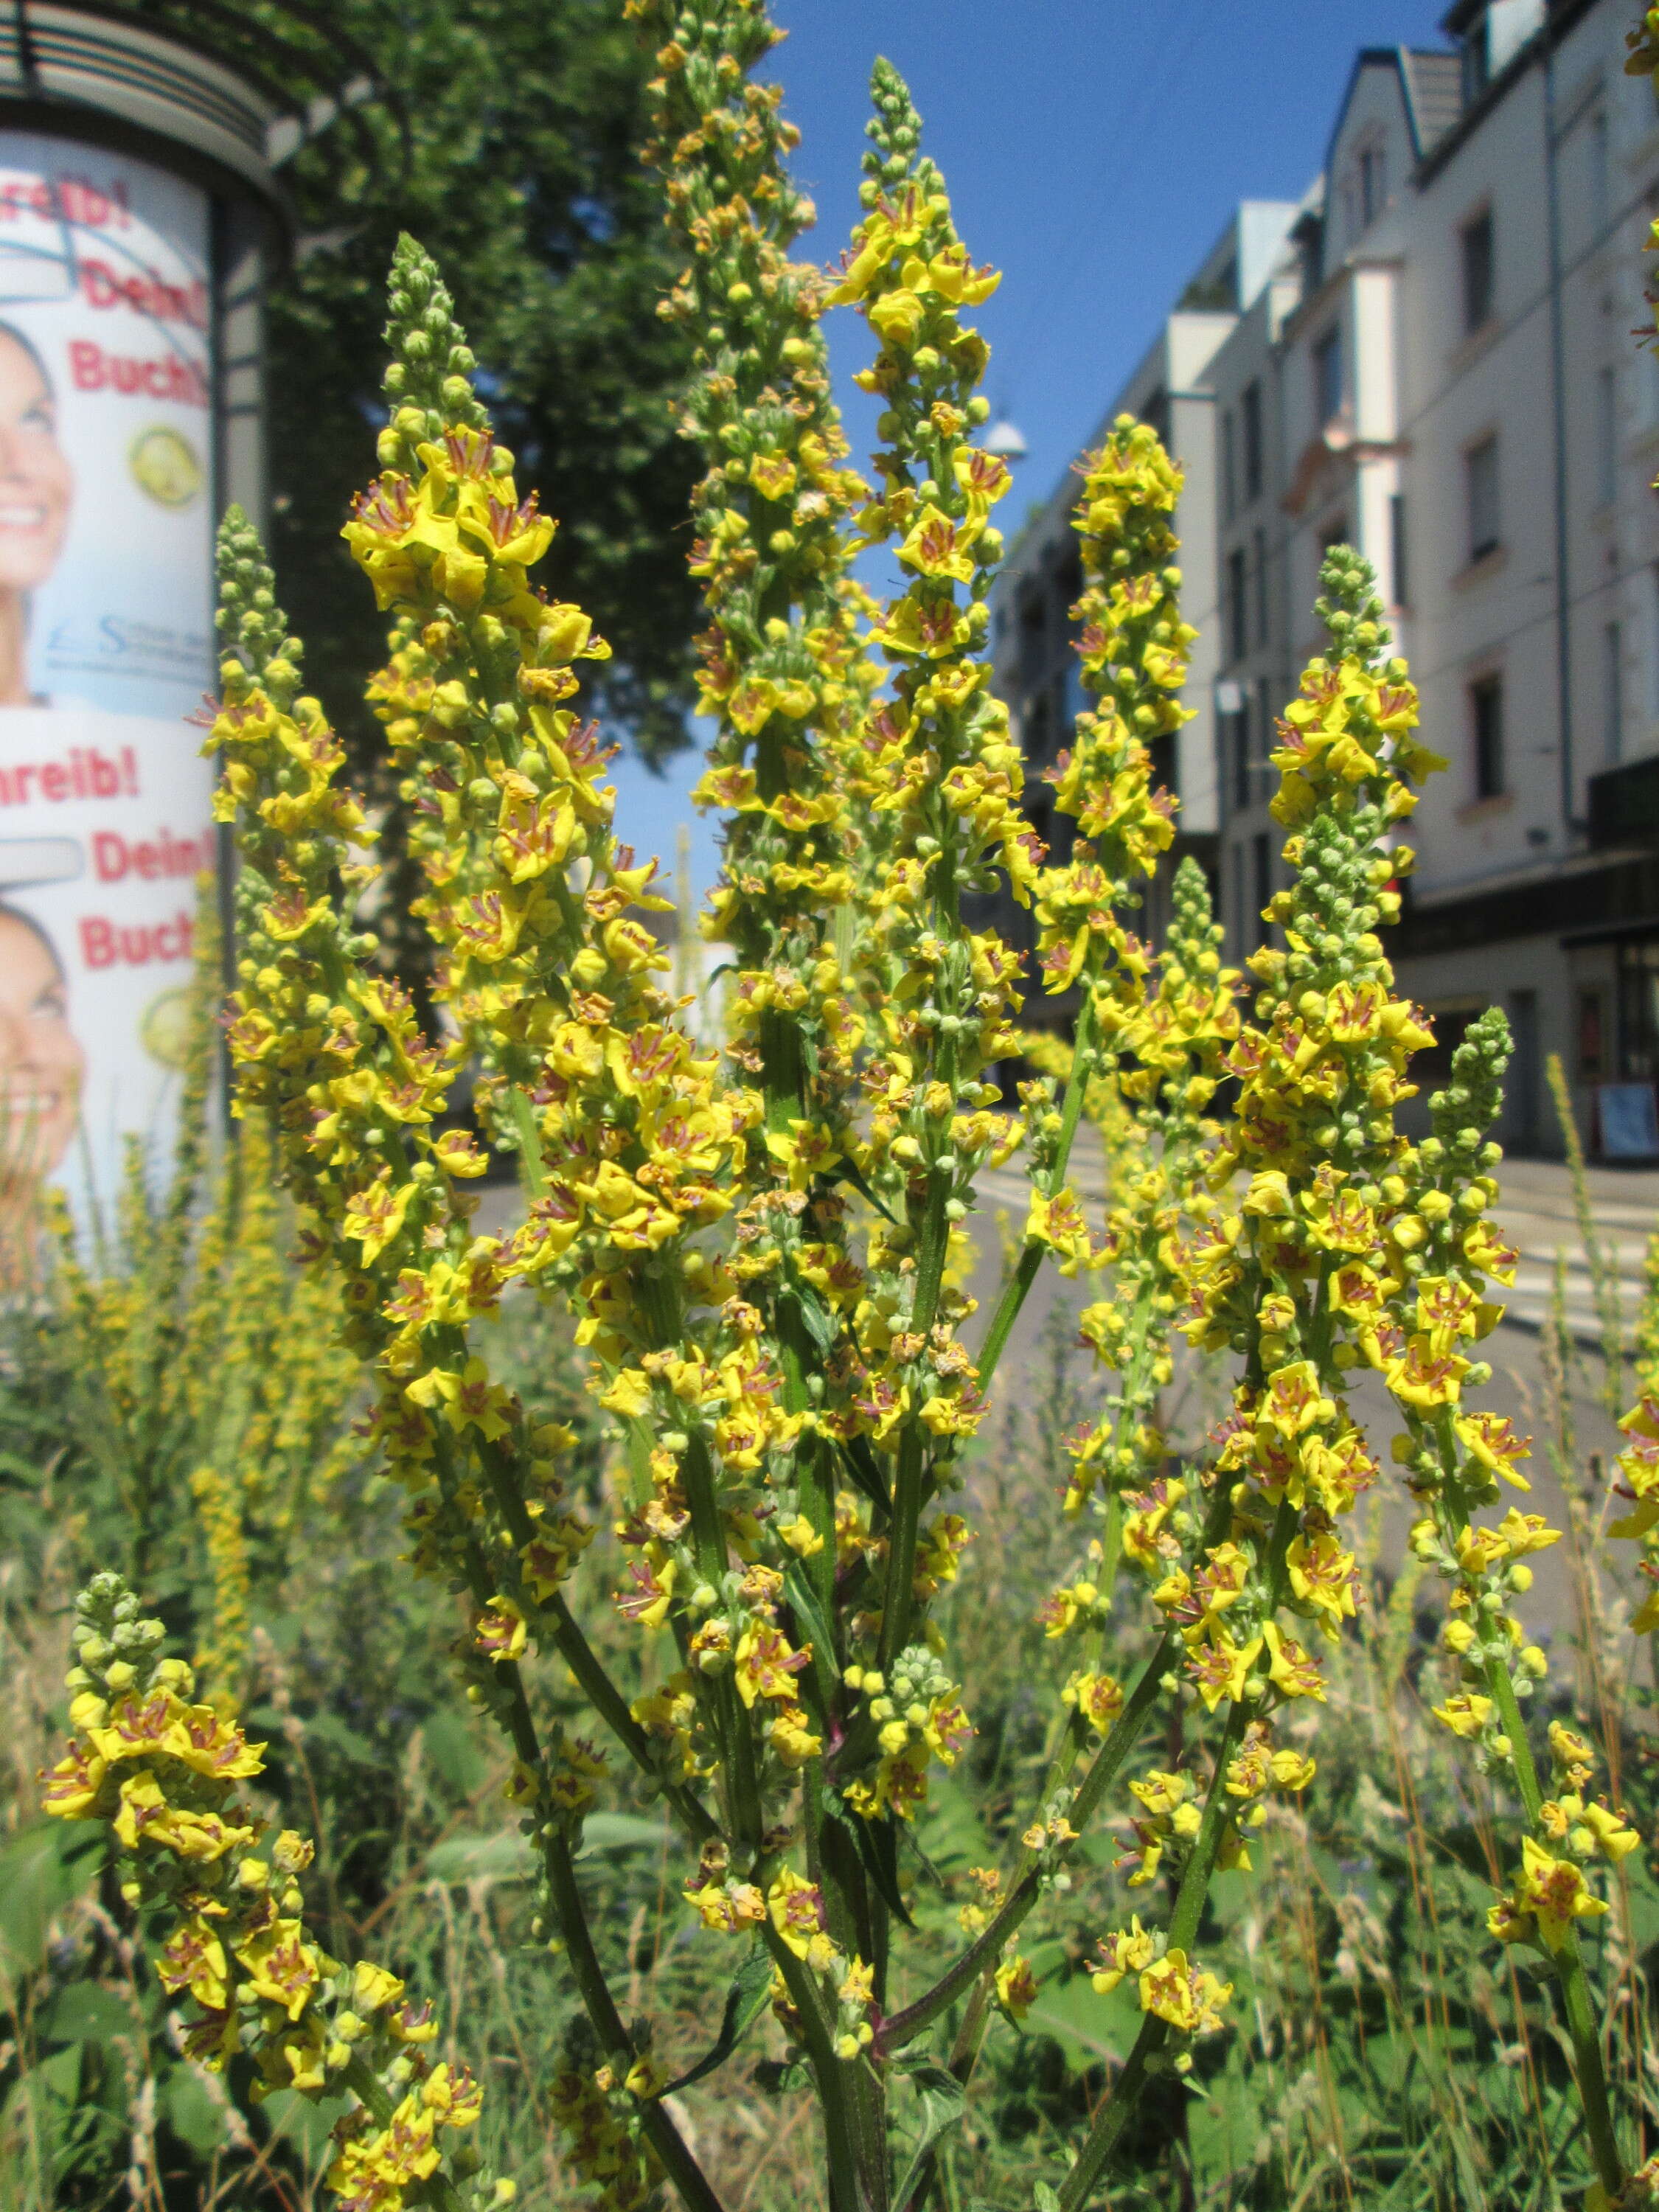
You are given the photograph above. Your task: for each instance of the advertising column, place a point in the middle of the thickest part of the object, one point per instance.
(105, 647)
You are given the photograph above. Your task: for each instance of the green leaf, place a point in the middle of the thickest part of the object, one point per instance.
(779, 2076)
(508, 1856)
(845, 1172)
(814, 1316)
(86, 2012)
(193, 2112)
(745, 2001)
(504, 1857)
(455, 1753)
(878, 1846)
(335, 1734)
(609, 1833)
(861, 1465)
(804, 1599)
(942, 2097)
(1046, 2199)
(42, 1870)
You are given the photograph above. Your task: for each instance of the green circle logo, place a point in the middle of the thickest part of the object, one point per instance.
(165, 466)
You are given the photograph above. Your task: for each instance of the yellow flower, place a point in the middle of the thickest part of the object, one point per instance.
(1122, 1953)
(1016, 1986)
(1189, 1998)
(500, 1632)
(1465, 1715)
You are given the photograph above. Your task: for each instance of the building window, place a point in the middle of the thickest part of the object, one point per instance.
(1398, 572)
(1600, 175)
(1480, 485)
(1486, 731)
(1262, 869)
(1328, 376)
(1373, 191)
(1590, 1032)
(1249, 410)
(1267, 722)
(1229, 496)
(1239, 726)
(1237, 635)
(1606, 438)
(1613, 691)
(1477, 261)
(1259, 548)
(1036, 733)
(1033, 631)
(1166, 762)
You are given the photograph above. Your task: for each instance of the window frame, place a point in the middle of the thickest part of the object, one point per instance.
(1400, 575)
(1323, 351)
(1477, 273)
(1237, 607)
(1487, 735)
(1229, 478)
(1249, 413)
(1482, 543)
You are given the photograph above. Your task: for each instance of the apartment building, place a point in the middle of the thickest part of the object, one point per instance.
(1033, 636)
(1440, 366)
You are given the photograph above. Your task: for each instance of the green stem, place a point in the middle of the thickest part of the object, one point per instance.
(683, 2170)
(1103, 2137)
(912, 1453)
(849, 2157)
(1569, 1960)
(1109, 2121)
(611, 1706)
(987, 1946)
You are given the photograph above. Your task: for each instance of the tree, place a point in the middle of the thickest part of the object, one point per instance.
(509, 146)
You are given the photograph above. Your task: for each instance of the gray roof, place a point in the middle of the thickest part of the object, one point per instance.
(1434, 91)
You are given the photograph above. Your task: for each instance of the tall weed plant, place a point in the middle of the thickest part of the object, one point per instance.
(1039, 1811)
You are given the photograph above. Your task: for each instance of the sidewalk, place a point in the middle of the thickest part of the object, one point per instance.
(1537, 1214)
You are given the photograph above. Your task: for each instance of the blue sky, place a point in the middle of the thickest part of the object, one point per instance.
(1093, 149)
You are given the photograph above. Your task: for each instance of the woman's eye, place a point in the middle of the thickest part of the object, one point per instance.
(51, 1005)
(40, 417)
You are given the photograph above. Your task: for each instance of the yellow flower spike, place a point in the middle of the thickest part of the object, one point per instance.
(189, 1858)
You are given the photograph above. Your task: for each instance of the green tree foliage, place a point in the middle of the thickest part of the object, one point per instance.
(518, 168)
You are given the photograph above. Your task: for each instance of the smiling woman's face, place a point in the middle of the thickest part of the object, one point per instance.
(36, 482)
(41, 1062)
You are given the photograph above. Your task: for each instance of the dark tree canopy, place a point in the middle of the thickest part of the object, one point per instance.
(507, 137)
(519, 170)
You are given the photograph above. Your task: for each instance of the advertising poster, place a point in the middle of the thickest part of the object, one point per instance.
(105, 646)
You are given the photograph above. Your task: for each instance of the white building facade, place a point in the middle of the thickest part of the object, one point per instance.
(1440, 366)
